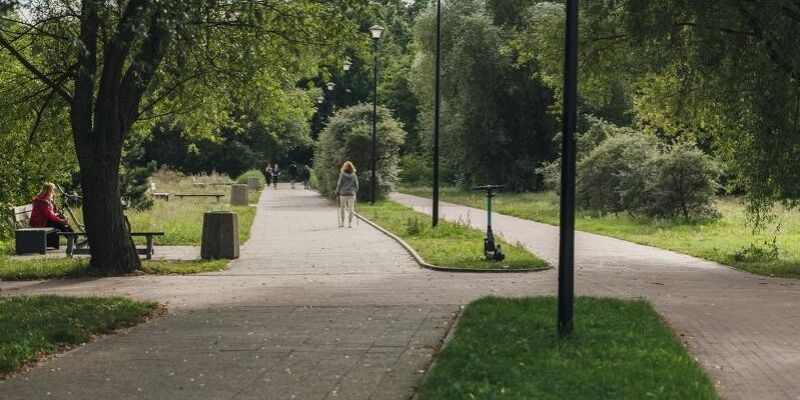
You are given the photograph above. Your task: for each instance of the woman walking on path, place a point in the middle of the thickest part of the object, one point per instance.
(276, 172)
(346, 188)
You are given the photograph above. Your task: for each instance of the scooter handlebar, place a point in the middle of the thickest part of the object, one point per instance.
(489, 187)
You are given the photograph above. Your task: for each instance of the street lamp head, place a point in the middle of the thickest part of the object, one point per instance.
(320, 99)
(376, 31)
(347, 65)
(330, 86)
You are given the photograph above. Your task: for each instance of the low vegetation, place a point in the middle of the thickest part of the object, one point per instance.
(39, 325)
(727, 240)
(508, 348)
(454, 245)
(60, 267)
(181, 220)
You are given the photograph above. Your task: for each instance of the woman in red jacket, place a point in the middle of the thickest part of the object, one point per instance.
(45, 211)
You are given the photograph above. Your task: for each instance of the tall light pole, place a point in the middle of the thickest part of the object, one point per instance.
(566, 247)
(436, 107)
(376, 31)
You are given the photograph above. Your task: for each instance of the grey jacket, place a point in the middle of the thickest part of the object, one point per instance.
(348, 184)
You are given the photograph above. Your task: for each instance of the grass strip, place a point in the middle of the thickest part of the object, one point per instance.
(48, 268)
(508, 348)
(725, 240)
(37, 325)
(454, 245)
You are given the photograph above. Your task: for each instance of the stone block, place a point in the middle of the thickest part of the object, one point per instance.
(253, 183)
(239, 195)
(220, 235)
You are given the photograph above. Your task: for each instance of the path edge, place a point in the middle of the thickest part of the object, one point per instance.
(424, 264)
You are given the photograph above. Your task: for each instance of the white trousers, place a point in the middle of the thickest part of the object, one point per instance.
(346, 203)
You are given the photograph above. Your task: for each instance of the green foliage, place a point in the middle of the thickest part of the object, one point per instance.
(627, 171)
(683, 184)
(455, 245)
(722, 74)
(37, 325)
(495, 123)
(348, 136)
(13, 269)
(134, 181)
(415, 170)
(250, 144)
(508, 348)
(253, 173)
(614, 177)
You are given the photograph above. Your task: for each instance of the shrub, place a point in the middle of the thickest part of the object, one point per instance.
(684, 184)
(253, 173)
(415, 170)
(615, 175)
(348, 136)
(633, 172)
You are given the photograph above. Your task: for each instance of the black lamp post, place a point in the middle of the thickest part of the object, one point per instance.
(376, 31)
(437, 105)
(566, 247)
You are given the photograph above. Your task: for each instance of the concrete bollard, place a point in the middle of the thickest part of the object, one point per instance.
(253, 183)
(220, 235)
(239, 195)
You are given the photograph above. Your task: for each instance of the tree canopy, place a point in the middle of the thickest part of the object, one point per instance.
(108, 68)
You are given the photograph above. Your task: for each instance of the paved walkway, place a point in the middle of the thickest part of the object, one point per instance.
(744, 329)
(311, 311)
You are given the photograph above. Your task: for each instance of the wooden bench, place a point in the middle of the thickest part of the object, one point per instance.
(31, 240)
(147, 251)
(217, 195)
(156, 194)
(197, 183)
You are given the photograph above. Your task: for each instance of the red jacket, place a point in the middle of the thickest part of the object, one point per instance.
(43, 210)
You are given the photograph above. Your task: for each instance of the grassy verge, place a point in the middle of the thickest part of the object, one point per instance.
(48, 268)
(507, 348)
(182, 220)
(449, 245)
(722, 240)
(35, 326)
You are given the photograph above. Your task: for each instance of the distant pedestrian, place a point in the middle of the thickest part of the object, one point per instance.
(306, 177)
(292, 173)
(276, 172)
(346, 189)
(268, 173)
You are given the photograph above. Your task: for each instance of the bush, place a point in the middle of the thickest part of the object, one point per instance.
(348, 136)
(631, 173)
(416, 170)
(615, 175)
(253, 173)
(684, 184)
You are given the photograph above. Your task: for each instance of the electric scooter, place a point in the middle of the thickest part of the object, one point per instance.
(491, 250)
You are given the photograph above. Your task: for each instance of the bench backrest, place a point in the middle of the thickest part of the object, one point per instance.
(22, 215)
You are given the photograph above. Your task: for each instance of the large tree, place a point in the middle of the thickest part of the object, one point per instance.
(112, 64)
(724, 74)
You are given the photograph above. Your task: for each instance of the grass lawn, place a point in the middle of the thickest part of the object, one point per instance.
(508, 348)
(11, 269)
(181, 220)
(449, 245)
(34, 326)
(722, 240)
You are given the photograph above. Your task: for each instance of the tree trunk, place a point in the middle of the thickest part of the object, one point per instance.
(111, 246)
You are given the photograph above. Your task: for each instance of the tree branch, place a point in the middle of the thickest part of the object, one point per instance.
(35, 71)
